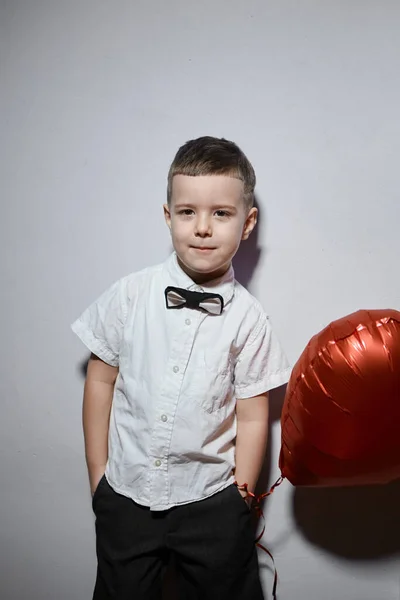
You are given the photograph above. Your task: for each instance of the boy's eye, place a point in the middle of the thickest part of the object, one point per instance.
(186, 212)
(221, 213)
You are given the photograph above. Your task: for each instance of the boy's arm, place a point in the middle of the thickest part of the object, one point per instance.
(97, 401)
(251, 439)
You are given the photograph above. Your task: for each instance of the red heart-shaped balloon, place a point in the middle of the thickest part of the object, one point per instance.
(341, 415)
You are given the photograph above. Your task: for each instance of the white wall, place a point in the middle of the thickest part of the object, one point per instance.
(96, 98)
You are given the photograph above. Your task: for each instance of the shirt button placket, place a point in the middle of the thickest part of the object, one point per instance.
(162, 432)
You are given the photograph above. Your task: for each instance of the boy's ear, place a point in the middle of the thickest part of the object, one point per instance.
(167, 215)
(250, 223)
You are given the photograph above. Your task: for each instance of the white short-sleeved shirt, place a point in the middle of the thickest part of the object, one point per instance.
(173, 426)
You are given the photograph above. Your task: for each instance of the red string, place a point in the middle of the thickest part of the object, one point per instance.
(260, 515)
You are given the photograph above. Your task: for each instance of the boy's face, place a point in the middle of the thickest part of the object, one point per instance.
(208, 219)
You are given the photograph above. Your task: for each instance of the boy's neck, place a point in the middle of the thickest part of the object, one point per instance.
(203, 278)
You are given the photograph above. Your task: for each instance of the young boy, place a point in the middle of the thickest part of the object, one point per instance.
(175, 405)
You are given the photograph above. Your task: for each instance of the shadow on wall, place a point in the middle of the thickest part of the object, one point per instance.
(276, 399)
(248, 255)
(83, 367)
(355, 523)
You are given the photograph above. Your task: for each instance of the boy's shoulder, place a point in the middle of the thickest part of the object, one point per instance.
(249, 318)
(248, 302)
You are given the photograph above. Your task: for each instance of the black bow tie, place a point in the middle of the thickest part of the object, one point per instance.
(178, 297)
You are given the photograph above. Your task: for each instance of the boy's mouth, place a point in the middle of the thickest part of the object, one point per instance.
(203, 248)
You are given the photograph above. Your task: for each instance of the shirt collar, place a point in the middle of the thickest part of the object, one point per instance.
(176, 276)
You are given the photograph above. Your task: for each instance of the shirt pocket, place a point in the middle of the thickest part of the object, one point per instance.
(212, 381)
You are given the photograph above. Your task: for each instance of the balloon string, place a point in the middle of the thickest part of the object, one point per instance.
(260, 515)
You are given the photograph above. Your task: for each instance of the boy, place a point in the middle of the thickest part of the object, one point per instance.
(175, 404)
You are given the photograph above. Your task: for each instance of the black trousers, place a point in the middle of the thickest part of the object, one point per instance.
(211, 542)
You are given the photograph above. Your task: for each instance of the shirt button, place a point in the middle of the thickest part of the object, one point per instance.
(164, 418)
(157, 462)
(188, 321)
(175, 369)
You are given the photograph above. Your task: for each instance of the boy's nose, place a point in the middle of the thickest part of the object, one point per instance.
(203, 227)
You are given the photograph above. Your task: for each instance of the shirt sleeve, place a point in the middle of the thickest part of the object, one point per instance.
(101, 325)
(261, 364)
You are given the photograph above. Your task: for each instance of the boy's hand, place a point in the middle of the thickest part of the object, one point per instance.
(248, 499)
(94, 478)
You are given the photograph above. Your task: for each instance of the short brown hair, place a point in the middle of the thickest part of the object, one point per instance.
(213, 156)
